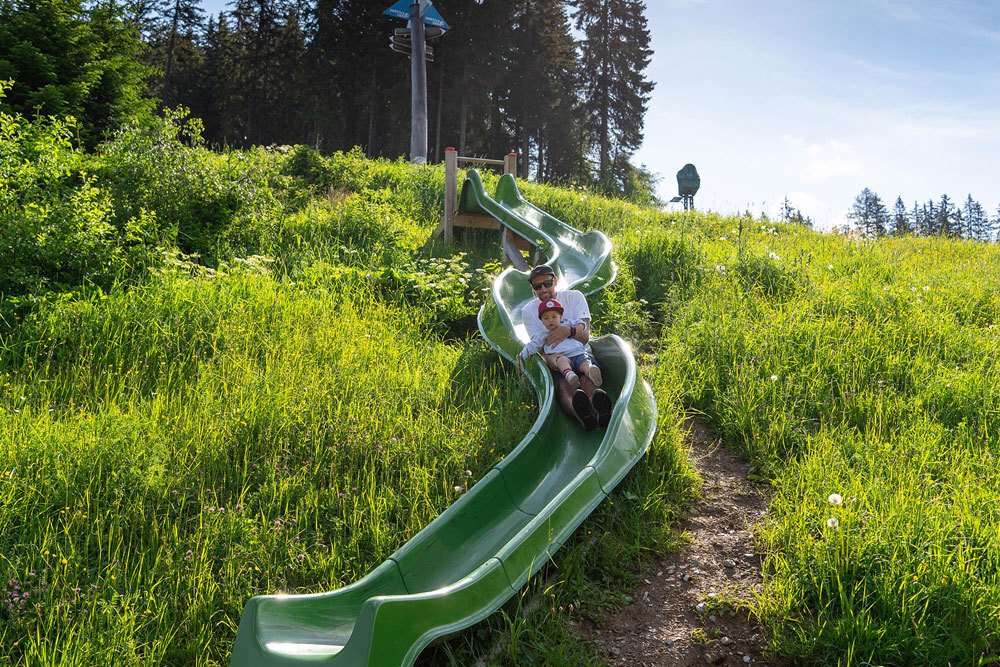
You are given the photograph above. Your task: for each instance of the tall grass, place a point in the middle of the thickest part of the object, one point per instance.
(171, 450)
(868, 371)
(285, 414)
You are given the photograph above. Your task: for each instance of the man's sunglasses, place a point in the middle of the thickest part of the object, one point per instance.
(545, 284)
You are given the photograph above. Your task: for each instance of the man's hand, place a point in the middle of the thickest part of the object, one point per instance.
(558, 335)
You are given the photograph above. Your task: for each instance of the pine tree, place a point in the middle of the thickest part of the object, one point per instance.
(359, 89)
(900, 219)
(540, 78)
(66, 59)
(615, 54)
(176, 51)
(207, 105)
(947, 218)
(977, 222)
(869, 214)
(261, 66)
(787, 211)
(473, 77)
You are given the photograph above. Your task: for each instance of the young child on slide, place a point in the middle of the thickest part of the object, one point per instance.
(569, 356)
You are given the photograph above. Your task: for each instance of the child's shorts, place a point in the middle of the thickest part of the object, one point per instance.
(575, 362)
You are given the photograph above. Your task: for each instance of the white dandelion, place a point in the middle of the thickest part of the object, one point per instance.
(832, 523)
(835, 499)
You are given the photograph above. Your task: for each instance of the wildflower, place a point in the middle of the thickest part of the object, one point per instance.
(927, 288)
(774, 378)
(773, 256)
(458, 488)
(835, 499)
(830, 266)
(468, 473)
(832, 523)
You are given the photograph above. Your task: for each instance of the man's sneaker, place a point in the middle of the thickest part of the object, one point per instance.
(573, 379)
(603, 407)
(595, 375)
(584, 410)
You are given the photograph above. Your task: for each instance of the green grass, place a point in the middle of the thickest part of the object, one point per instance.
(284, 414)
(869, 371)
(172, 450)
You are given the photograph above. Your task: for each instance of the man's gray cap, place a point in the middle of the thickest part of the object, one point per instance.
(541, 270)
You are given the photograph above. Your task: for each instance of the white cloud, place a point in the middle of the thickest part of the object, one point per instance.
(943, 129)
(820, 162)
(806, 202)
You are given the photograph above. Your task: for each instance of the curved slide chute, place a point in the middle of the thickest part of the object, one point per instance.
(483, 549)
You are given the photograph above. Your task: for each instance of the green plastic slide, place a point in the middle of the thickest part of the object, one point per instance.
(480, 551)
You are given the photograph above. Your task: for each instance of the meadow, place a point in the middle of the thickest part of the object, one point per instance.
(232, 373)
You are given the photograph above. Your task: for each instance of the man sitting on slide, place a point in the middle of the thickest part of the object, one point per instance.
(590, 405)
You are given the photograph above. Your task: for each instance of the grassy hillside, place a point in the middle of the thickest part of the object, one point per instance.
(266, 378)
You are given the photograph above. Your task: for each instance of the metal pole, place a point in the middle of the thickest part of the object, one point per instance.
(418, 87)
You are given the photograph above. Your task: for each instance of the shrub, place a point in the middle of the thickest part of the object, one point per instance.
(58, 228)
(203, 200)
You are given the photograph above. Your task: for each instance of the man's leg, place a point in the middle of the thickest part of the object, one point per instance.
(576, 404)
(598, 398)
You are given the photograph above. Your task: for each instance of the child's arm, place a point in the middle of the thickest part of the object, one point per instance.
(531, 347)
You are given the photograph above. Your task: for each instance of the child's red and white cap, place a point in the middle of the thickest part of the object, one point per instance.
(550, 304)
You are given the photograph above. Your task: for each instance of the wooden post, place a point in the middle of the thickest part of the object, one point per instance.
(510, 164)
(452, 218)
(450, 190)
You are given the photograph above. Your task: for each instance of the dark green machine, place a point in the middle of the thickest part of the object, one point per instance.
(688, 182)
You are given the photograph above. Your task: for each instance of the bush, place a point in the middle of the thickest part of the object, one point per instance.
(204, 201)
(58, 229)
(306, 164)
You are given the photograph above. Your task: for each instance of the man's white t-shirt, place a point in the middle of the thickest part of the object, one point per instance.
(574, 305)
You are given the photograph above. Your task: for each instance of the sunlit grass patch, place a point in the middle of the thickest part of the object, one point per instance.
(172, 450)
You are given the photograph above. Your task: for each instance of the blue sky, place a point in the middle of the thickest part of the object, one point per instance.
(819, 99)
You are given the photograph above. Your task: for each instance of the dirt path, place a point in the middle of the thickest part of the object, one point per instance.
(683, 613)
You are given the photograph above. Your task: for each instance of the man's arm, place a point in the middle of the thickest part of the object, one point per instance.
(579, 331)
